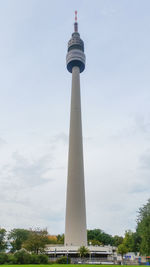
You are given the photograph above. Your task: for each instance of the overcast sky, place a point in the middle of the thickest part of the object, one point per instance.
(35, 90)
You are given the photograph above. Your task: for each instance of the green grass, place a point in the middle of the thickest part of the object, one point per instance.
(63, 265)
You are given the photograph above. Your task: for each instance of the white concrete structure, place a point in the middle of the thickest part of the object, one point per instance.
(97, 254)
(75, 228)
(60, 249)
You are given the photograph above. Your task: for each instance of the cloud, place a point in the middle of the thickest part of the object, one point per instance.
(61, 137)
(23, 174)
(2, 142)
(136, 125)
(142, 124)
(31, 172)
(29, 192)
(145, 160)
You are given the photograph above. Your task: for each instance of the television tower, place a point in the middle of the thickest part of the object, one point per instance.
(75, 228)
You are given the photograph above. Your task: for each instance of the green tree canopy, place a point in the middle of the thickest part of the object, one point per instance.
(117, 240)
(101, 236)
(132, 241)
(36, 241)
(3, 243)
(143, 228)
(94, 242)
(17, 237)
(122, 249)
(60, 239)
(128, 241)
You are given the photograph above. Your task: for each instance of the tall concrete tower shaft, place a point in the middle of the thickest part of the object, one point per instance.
(75, 228)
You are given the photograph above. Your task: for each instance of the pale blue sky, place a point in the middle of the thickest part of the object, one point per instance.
(35, 102)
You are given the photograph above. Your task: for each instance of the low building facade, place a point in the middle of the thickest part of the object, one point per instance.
(97, 254)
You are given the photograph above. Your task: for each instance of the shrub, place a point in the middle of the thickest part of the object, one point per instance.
(3, 258)
(22, 257)
(43, 258)
(63, 260)
(51, 262)
(34, 259)
(11, 259)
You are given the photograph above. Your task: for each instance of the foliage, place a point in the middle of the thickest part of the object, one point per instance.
(100, 236)
(122, 249)
(7, 258)
(22, 257)
(117, 240)
(60, 239)
(137, 242)
(37, 259)
(3, 258)
(128, 241)
(17, 237)
(43, 258)
(52, 239)
(143, 228)
(36, 241)
(132, 241)
(95, 243)
(34, 259)
(11, 259)
(63, 260)
(83, 251)
(3, 243)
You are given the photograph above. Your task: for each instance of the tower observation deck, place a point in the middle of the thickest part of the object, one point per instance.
(75, 225)
(75, 55)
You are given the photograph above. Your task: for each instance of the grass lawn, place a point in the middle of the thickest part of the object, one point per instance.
(63, 265)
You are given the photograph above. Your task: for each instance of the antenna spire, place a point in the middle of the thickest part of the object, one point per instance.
(76, 23)
(76, 16)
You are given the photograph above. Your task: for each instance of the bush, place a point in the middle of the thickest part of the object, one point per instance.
(11, 259)
(3, 258)
(22, 257)
(43, 258)
(51, 262)
(34, 259)
(63, 260)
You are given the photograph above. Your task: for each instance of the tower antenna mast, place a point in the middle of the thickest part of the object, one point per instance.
(76, 15)
(76, 23)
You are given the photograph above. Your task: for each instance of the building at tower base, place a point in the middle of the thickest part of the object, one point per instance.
(97, 254)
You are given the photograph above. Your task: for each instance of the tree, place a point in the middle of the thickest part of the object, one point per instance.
(128, 241)
(122, 249)
(3, 258)
(143, 228)
(17, 237)
(22, 257)
(60, 239)
(101, 236)
(95, 242)
(132, 241)
(52, 239)
(137, 241)
(117, 240)
(83, 251)
(3, 243)
(36, 241)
